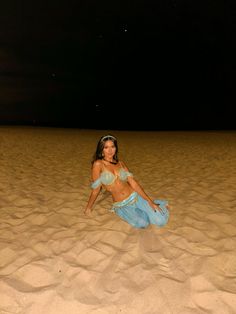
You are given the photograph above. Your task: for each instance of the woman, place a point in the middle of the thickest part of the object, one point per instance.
(130, 201)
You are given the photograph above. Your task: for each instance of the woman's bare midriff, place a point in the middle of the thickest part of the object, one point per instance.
(119, 190)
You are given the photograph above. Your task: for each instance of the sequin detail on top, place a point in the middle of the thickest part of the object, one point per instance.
(107, 177)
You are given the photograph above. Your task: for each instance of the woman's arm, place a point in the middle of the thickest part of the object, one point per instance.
(92, 198)
(94, 193)
(139, 189)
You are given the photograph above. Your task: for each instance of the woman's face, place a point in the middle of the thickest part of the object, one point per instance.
(109, 149)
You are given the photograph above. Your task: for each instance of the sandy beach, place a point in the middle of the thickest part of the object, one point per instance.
(56, 260)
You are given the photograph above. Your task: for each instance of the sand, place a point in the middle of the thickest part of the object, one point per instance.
(56, 260)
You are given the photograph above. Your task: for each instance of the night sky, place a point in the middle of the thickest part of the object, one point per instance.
(128, 64)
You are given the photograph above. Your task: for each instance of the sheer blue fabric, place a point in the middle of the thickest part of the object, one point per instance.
(138, 213)
(107, 177)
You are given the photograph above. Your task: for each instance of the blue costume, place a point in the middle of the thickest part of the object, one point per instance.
(107, 177)
(135, 209)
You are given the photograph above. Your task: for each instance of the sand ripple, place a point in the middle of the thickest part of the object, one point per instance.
(55, 260)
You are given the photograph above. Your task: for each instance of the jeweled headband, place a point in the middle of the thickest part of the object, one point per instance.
(107, 136)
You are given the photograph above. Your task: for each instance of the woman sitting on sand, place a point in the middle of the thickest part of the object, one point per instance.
(130, 201)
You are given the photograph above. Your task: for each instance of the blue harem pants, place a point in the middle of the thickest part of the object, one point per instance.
(138, 213)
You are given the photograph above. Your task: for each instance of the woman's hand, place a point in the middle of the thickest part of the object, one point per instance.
(87, 211)
(154, 206)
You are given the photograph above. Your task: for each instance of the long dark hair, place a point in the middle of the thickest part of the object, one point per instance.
(100, 146)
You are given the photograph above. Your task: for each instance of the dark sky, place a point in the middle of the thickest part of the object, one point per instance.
(64, 62)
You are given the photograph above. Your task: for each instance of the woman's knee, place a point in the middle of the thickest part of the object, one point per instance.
(162, 221)
(144, 224)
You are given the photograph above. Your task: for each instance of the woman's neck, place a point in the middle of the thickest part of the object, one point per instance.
(112, 161)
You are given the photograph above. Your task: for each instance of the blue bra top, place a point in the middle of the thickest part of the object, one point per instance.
(107, 177)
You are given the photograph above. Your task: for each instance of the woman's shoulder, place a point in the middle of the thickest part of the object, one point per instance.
(122, 163)
(96, 169)
(97, 163)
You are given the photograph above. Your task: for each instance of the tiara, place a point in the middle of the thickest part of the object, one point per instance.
(107, 136)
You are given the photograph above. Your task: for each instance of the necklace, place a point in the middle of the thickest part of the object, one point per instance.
(111, 162)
